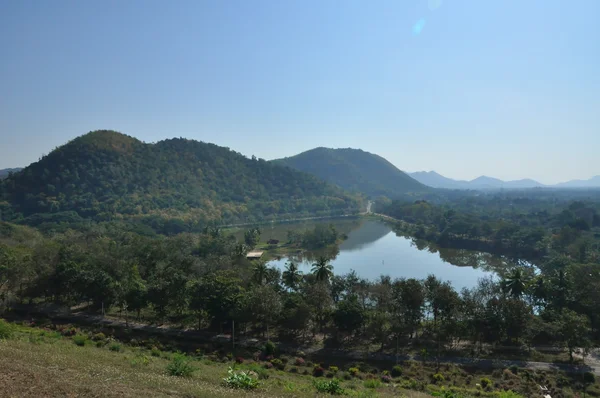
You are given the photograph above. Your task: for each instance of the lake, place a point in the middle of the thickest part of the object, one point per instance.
(373, 249)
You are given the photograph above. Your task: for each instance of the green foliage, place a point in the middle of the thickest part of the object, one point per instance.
(372, 383)
(334, 369)
(116, 347)
(278, 364)
(439, 378)
(172, 186)
(270, 348)
(180, 366)
(260, 372)
(354, 371)
(589, 378)
(80, 340)
(397, 371)
(332, 387)
(355, 170)
(485, 382)
(240, 380)
(7, 330)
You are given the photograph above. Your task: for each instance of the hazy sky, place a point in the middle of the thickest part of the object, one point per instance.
(506, 88)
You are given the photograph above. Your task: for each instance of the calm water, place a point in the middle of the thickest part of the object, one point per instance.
(373, 249)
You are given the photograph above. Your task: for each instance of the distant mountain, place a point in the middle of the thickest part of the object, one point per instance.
(435, 180)
(5, 172)
(355, 170)
(593, 182)
(171, 185)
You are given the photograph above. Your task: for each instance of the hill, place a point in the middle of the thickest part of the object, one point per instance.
(593, 182)
(105, 175)
(355, 170)
(435, 180)
(5, 172)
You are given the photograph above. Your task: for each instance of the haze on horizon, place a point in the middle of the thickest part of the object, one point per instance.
(507, 89)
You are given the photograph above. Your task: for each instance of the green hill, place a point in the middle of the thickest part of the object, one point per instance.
(105, 175)
(355, 170)
(5, 172)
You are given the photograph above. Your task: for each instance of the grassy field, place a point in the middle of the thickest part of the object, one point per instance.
(37, 362)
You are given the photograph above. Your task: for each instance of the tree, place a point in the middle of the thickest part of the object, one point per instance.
(514, 284)
(349, 316)
(260, 271)
(264, 303)
(291, 276)
(322, 270)
(252, 237)
(574, 330)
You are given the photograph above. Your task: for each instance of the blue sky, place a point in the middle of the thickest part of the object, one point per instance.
(506, 88)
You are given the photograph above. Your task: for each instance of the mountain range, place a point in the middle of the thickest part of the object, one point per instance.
(355, 170)
(180, 183)
(436, 180)
(5, 172)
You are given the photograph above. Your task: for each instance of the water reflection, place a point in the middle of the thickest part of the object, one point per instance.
(373, 249)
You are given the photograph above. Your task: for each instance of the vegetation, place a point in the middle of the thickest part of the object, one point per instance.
(355, 170)
(172, 186)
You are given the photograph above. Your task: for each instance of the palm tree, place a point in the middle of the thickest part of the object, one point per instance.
(291, 275)
(260, 272)
(322, 270)
(514, 284)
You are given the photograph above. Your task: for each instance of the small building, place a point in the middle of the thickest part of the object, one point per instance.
(273, 242)
(254, 255)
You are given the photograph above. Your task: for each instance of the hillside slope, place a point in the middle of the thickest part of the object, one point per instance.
(5, 172)
(435, 180)
(105, 175)
(355, 170)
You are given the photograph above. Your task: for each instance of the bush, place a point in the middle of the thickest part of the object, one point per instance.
(239, 360)
(270, 348)
(372, 383)
(99, 337)
(155, 352)
(397, 371)
(332, 386)
(293, 370)
(589, 378)
(386, 378)
(268, 365)
(353, 371)
(299, 361)
(514, 369)
(485, 382)
(334, 369)
(80, 340)
(116, 347)
(240, 380)
(180, 366)
(278, 364)
(438, 378)
(259, 371)
(318, 371)
(7, 330)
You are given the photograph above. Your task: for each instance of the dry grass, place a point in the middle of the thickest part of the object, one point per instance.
(40, 364)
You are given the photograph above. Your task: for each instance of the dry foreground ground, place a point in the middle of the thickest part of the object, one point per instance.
(37, 362)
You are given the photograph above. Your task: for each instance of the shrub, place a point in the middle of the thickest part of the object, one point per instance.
(372, 383)
(80, 340)
(386, 378)
(116, 347)
(329, 375)
(438, 378)
(239, 360)
(155, 352)
(299, 361)
(397, 371)
(180, 366)
(278, 364)
(589, 378)
(514, 369)
(318, 371)
(99, 337)
(301, 354)
(7, 330)
(240, 380)
(269, 348)
(332, 386)
(259, 371)
(293, 370)
(353, 371)
(485, 382)
(346, 376)
(268, 365)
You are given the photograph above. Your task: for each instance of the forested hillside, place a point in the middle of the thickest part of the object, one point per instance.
(6, 172)
(355, 170)
(105, 175)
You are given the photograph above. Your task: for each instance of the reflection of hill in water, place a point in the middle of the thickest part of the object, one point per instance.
(366, 234)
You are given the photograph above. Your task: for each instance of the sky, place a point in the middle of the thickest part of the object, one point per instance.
(504, 88)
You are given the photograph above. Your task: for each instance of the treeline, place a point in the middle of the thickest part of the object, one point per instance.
(172, 186)
(205, 280)
(526, 228)
(320, 236)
